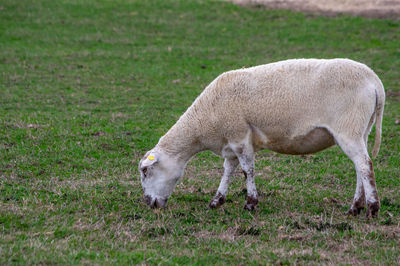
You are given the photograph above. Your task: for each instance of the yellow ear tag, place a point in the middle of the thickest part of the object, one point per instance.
(150, 157)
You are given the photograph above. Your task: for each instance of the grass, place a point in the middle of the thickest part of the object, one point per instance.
(87, 87)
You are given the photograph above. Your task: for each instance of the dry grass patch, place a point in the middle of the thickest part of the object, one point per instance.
(366, 8)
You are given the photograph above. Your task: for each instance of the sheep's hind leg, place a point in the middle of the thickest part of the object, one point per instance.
(359, 199)
(229, 167)
(357, 152)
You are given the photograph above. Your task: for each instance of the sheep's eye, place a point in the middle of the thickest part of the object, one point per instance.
(144, 171)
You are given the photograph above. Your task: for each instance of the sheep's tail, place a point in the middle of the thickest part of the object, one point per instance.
(380, 102)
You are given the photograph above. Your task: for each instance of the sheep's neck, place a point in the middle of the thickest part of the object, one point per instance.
(181, 140)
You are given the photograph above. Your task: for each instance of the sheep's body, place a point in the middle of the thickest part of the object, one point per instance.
(293, 107)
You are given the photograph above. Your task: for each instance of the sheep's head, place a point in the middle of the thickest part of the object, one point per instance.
(160, 173)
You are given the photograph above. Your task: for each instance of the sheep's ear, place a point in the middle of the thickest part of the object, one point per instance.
(149, 160)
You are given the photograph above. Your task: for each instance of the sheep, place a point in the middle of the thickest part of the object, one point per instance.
(297, 106)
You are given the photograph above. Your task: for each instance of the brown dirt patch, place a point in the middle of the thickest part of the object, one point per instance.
(389, 9)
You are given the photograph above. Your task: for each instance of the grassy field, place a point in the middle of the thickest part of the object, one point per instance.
(87, 87)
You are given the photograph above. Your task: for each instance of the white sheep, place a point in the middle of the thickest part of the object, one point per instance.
(298, 106)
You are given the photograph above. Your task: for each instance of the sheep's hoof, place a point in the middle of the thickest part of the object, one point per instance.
(372, 210)
(251, 203)
(217, 201)
(355, 210)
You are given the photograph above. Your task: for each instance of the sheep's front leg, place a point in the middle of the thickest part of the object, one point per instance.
(229, 167)
(245, 155)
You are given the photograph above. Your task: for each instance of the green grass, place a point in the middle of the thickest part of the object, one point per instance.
(87, 87)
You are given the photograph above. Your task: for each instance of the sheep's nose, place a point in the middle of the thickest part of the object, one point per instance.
(160, 203)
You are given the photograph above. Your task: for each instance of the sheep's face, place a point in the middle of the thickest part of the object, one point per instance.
(159, 175)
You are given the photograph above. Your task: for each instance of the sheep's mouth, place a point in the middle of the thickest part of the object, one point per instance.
(155, 202)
